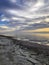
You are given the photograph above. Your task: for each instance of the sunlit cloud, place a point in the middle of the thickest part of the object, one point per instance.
(12, 1)
(47, 19)
(4, 19)
(40, 3)
(38, 30)
(6, 27)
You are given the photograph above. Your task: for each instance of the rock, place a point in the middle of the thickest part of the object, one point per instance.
(17, 54)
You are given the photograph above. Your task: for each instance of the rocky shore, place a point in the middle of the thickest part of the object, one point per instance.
(17, 52)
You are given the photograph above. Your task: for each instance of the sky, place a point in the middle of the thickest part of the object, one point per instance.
(24, 16)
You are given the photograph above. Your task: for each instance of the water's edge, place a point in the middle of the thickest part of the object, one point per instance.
(18, 52)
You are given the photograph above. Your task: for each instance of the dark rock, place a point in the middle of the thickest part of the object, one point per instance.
(17, 52)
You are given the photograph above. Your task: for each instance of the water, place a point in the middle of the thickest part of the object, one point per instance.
(13, 54)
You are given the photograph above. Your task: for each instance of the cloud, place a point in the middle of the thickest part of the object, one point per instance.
(23, 14)
(12, 1)
(18, 27)
(42, 30)
(4, 27)
(4, 19)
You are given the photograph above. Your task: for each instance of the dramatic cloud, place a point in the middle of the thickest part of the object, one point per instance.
(19, 15)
